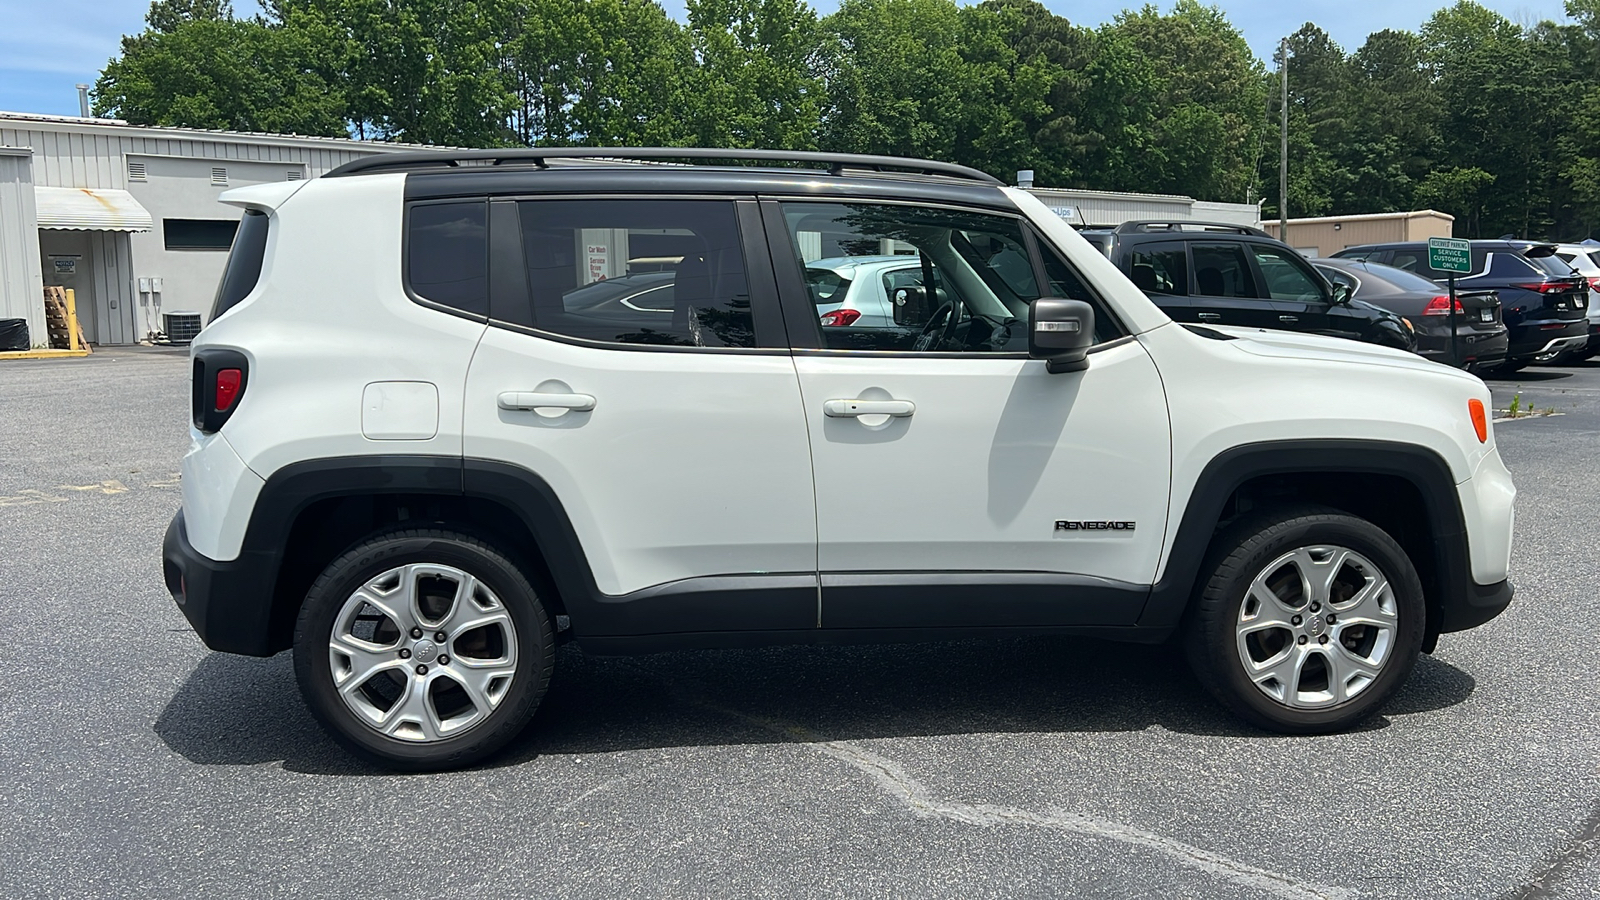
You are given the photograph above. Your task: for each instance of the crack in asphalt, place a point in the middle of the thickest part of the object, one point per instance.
(895, 781)
(1567, 860)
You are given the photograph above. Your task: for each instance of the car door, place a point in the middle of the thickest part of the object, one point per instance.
(673, 438)
(1300, 298)
(957, 482)
(1225, 289)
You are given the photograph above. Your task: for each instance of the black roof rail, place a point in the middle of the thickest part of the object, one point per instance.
(837, 163)
(1147, 226)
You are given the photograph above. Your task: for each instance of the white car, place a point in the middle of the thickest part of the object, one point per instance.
(425, 449)
(856, 291)
(1585, 260)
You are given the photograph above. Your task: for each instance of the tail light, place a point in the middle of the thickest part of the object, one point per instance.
(1545, 287)
(840, 317)
(1440, 306)
(220, 379)
(1594, 284)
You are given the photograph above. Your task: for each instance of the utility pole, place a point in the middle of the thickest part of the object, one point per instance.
(1283, 156)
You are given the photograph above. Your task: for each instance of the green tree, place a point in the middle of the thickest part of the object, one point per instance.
(758, 81)
(199, 67)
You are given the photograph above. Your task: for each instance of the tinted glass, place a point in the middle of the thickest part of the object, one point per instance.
(1160, 268)
(1220, 270)
(1405, 281)
(664, 272)
(244, 263)
(1411, 260)
(1286, 277)
(198, 234)
(1065, 282)
(827, 286)
(1509, 264)
(1338, 277)
(980, 270)
(1551, 265)
(447, 254)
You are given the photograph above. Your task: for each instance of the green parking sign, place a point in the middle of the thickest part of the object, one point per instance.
(1449, 255)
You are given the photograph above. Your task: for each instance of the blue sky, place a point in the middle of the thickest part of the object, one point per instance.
(46, 48)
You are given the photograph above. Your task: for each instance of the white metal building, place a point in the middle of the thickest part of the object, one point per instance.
(1107, 209)
(127, 215)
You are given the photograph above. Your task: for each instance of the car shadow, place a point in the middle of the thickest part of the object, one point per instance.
(1529, 376)
(239, 711)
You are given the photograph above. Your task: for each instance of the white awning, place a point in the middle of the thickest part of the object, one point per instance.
(90, 209)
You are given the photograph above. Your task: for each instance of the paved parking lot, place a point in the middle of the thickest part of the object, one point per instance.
(136, 763)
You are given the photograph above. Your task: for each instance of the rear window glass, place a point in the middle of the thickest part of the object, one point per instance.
(827, 286)
(1406, 281)
(244, 262)
(447, 254)
(1551, 265)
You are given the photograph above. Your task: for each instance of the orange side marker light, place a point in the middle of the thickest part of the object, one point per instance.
(1480, 422)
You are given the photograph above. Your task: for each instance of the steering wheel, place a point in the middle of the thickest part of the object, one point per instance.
(925, 340)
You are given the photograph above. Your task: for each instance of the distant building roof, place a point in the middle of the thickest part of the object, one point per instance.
(80, 123)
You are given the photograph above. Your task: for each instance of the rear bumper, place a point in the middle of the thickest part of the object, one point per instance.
(1537, 338)
(228, 604)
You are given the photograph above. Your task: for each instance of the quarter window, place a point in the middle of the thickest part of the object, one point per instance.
(663, 272)
(447, 254)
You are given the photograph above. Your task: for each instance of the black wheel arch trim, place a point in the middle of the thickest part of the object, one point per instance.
(1455, 603)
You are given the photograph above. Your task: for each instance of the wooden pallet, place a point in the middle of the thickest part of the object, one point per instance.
(61, 320)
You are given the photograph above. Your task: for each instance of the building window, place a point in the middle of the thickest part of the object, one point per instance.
(136, 171)
(219, 176)
(198, 234)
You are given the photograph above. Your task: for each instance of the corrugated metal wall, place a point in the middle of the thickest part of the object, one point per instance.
(81, 156)
(21, 288)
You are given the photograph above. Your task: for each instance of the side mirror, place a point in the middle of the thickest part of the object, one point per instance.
(910, 305)
(1341, 293)
(1060, 332)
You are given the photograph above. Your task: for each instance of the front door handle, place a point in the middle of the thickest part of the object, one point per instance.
(1210, 317)
(850, 409)
(1288, 318)
(540, 400)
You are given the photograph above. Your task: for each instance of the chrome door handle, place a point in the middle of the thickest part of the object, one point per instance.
(850, 409)
(1210, 317)
(538, 400)
(1288, 318)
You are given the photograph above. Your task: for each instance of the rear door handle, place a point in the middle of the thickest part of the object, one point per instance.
(1211, 317)
(538, 400)
(1288, 318)
(850, 409)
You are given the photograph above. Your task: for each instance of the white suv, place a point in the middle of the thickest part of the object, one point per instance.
(423, 453)
(1585, 260)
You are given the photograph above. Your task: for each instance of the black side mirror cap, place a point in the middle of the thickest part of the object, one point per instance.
(1060, 332)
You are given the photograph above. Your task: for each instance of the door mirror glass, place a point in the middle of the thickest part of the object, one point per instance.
(1061, 332)
(1341, 293)
(910, 305)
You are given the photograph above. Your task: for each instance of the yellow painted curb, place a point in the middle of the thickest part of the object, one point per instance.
(41, 354)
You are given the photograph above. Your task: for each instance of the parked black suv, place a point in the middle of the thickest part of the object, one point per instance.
(1218, 274)
(1542, 300)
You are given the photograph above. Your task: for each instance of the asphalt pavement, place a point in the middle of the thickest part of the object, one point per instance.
(137, 763)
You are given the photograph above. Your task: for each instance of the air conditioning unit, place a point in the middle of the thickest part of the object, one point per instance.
(180, 325)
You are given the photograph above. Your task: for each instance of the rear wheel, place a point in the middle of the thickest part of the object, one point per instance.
(1310, 620)
(423, 650)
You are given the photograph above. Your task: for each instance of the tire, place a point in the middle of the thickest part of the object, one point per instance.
(1255, 644)
(418, 703)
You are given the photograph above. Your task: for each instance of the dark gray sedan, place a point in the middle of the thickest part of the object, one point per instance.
(1481, 337)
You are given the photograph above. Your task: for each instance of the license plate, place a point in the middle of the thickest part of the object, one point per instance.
(1486, 315)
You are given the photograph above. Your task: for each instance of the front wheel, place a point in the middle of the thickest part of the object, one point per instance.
(1309, 622)
(423, 650)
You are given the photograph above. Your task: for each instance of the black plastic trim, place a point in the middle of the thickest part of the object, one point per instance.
(1223, 475)
(634, 645)
(203, 386)
(976, 600)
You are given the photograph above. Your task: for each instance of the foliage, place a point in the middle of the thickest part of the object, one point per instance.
(1491, 121)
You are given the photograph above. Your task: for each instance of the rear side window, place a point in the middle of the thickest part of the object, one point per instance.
(1160, 268)
(1220, 270)
(447, 254)
(663, 272)
(1551, 265)
(244, 262)
(1507, 264)
(1411, 260)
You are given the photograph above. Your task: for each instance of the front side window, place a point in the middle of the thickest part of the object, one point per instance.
(1220, 270)
(1285, 276)
(447, 254)
(1160, 268)
(660, 272)
(954, 281)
